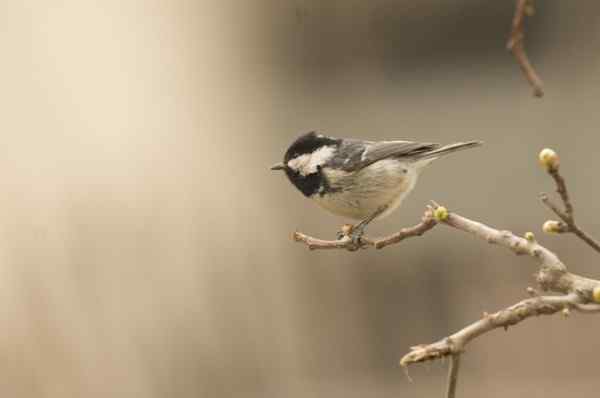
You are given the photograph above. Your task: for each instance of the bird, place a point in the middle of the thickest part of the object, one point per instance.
(358, 179)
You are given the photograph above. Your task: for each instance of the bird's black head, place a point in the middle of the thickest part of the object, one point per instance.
(303, 160)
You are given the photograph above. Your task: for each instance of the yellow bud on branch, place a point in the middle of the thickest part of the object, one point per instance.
(440, 213)
(551, 227)
(549, 159)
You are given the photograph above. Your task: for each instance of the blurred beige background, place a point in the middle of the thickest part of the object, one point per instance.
(145, 247)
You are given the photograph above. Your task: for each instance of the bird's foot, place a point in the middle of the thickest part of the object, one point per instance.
(345, 231)
(356, 234)
(353, 233)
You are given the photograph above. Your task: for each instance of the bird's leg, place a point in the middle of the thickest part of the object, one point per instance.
(359, 229)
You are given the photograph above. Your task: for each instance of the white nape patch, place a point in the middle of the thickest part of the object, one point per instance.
(307, 164)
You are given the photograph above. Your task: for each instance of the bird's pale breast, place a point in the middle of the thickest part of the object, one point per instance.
(358, 195)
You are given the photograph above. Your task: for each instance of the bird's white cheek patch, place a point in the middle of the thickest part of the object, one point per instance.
(299, 163)
(307, 164)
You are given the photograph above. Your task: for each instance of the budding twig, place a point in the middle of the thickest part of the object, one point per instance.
(549, 160)
(428, 221)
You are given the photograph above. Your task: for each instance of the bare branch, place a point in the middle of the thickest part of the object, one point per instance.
(561, 188)
(566, 215)
(552, 274)
(455, 344)
(453, 375)
(345, 242)
(427, 223)
(515, 45)
(315, 243)
(577, 292)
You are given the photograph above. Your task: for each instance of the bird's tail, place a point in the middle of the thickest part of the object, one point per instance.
(446, 149)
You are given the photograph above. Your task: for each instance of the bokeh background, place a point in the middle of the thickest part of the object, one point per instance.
(145, 246)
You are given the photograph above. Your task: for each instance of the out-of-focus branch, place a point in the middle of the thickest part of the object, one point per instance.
(453, 375)
(523, 9)
(345, 242)
(550, 161)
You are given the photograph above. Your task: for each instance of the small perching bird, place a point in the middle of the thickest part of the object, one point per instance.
(362, 180)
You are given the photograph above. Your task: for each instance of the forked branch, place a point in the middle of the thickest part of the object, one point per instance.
(550, 161)
(576, 293)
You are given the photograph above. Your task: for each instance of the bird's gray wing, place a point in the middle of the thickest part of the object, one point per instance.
(360, 154)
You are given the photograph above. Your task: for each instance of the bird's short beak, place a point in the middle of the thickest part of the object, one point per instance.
(278, 166)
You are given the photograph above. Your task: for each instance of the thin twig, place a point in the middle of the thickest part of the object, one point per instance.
(316, 243)
(345, 242)
(456, 343)
(515, 45)
(566, 215)
(561, 188)
(453, 375)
